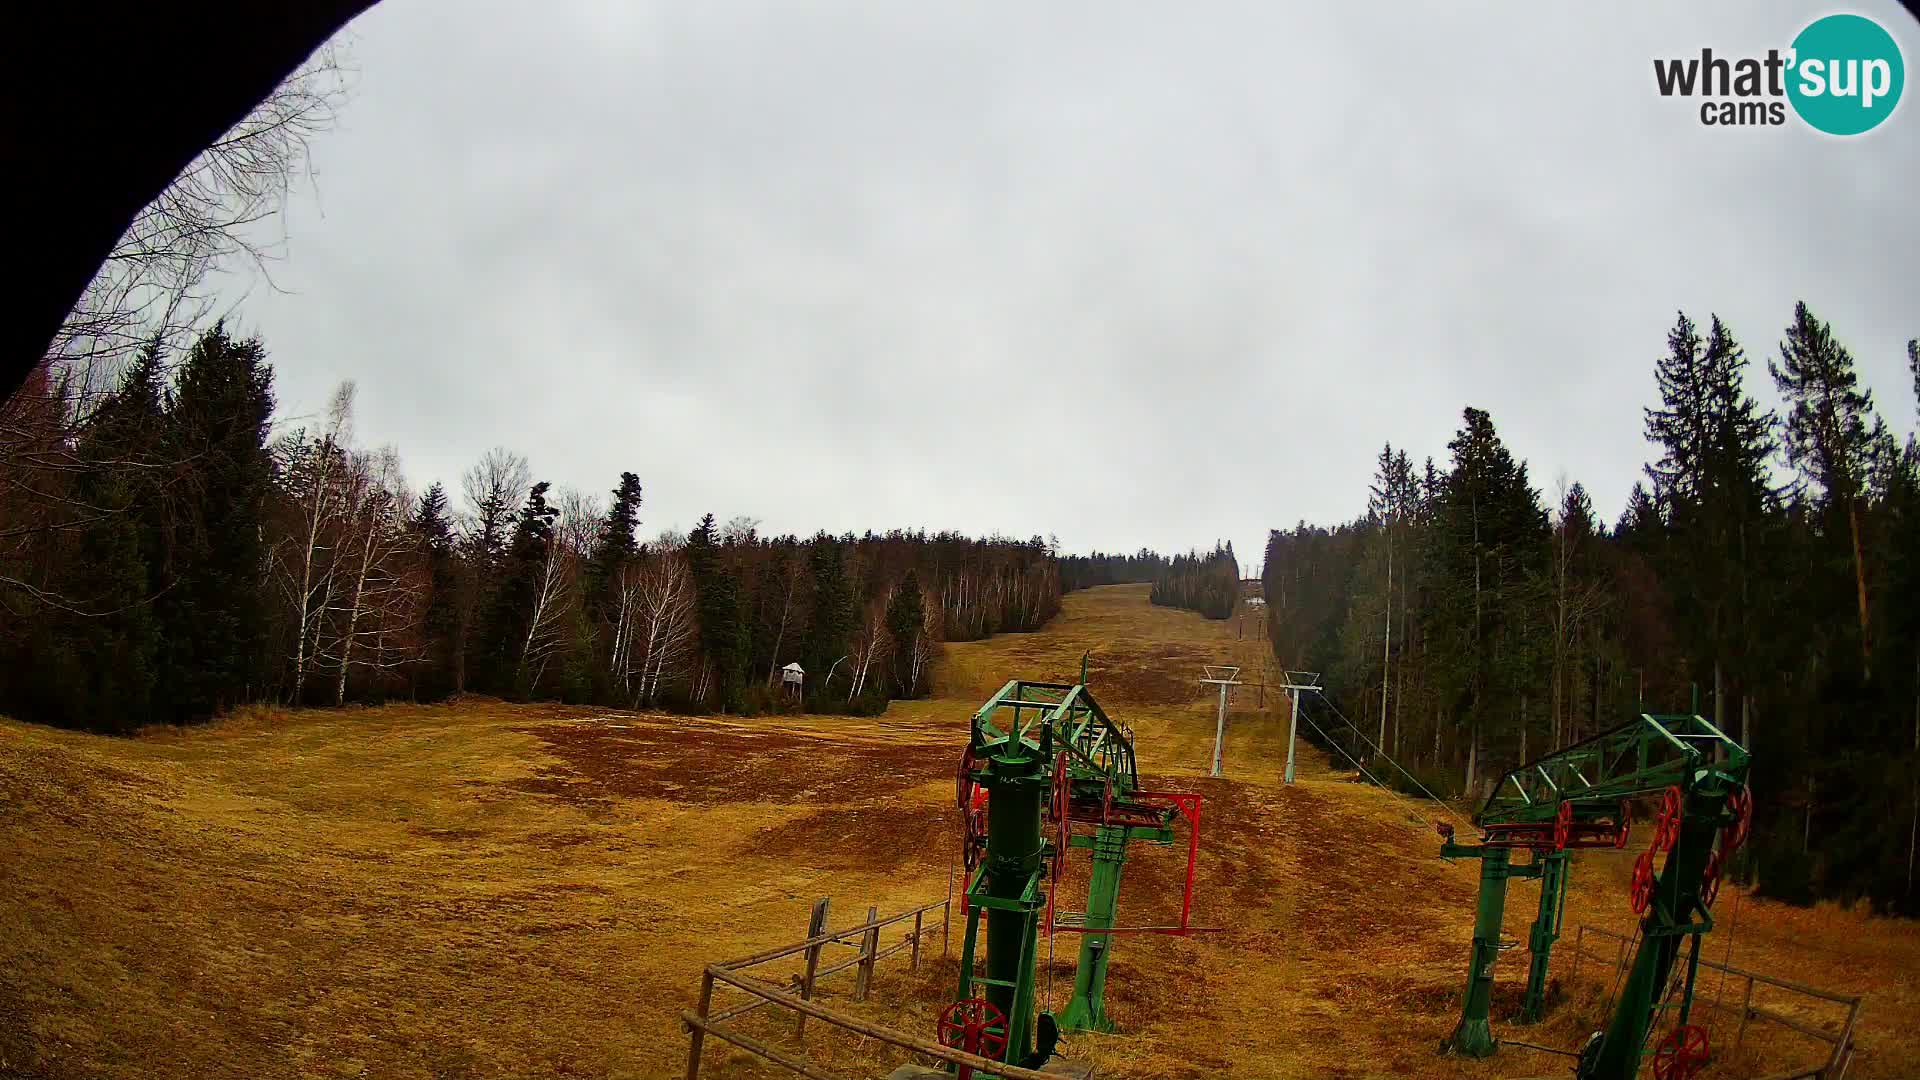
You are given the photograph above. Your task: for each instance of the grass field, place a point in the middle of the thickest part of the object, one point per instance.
(485, 890)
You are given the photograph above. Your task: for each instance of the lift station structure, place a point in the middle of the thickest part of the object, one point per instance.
(1046, 771)
(1583, 796)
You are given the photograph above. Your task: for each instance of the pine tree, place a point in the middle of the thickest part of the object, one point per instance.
(433, 528)
(1831, 435)
(1489, 539)
(1712, 478)
(511, 621)
(614, 542)
(906, 620)
(110, 642)
(213, 617)
(833, 618)
(723, 630)
(614, 545)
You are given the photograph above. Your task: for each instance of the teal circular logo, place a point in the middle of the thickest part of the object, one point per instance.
(1846, 74)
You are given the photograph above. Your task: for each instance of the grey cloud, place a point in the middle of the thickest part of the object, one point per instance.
(1128, 274)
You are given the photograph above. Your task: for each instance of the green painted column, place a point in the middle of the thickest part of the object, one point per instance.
(1473, 1038)
(1013, 860)
(1088, 1009)
(1668, 921)
(1546, 931)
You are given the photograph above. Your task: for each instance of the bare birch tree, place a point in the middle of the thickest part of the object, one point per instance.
(213, 215)
(310, 471)
(381, 591)
(870, 642)
(556, 584)
(666, 628)
(926, 641)
(494, 487)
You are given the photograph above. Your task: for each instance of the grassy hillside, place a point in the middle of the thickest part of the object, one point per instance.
(483, 890)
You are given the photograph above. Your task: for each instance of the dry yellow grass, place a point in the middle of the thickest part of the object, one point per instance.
(483, 890)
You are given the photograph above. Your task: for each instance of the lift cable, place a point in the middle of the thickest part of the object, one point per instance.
(1620, 971)
(1363, 772)
(1537, 1046)
(1732, 923)
(1389, 760)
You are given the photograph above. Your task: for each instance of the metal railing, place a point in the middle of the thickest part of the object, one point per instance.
(1840, 1055)
(796, 997)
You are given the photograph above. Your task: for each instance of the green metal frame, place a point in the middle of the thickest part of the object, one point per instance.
(1643, 757)
(1016, 737)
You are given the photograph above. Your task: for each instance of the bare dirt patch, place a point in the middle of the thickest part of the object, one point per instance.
(709, 764)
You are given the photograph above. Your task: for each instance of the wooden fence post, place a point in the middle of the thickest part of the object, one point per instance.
(700, 1033)
(1579, 936)
(869, 945)
(1843, 1050)
(915, 952)
(1746, 1012)
(815, 927)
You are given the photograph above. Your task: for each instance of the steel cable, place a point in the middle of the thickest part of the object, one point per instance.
(1376, 749)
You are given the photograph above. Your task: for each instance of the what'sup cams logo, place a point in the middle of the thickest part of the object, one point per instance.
(1842, 75)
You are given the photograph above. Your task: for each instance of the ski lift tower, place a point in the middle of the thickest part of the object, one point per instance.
(1223, 676)
(1295, 683)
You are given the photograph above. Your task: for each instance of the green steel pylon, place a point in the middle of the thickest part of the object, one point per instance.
(1579, 797)
(1472, 1036)
(1669, 922)
(1048, 756)
(1006, 887)
(1546, 931)
(1087, 1011)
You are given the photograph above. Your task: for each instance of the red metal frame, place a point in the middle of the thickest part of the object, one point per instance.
(1187, 805)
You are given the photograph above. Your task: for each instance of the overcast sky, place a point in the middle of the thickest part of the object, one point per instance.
(1128, 274)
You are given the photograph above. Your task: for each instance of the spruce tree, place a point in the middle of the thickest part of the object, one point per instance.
(508, 624)
(1490, 535)
(723, 630)
(433, 528)
(614, 544)
(213, 616)
(1831, 435)
(1712, 478)
(905, 623)
(107, 642)
(833, 617)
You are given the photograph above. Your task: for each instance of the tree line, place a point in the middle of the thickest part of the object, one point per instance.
(1208, 584)
(1764, 573)
(166, 555)
(1100, 568)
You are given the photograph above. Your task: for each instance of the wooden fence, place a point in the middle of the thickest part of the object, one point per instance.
(1841, 1046)
(797, 997)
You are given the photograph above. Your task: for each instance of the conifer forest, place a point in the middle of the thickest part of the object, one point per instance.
(1764, 573)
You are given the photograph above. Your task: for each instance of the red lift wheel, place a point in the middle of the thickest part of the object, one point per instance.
(1666, 827)
(1563, 826)
(1623, 825)
(963, 781)
(1710, 881)
(1683, 1053)
(975, 829)
(1740, 801)
(1642, 893)
(969, 1025)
